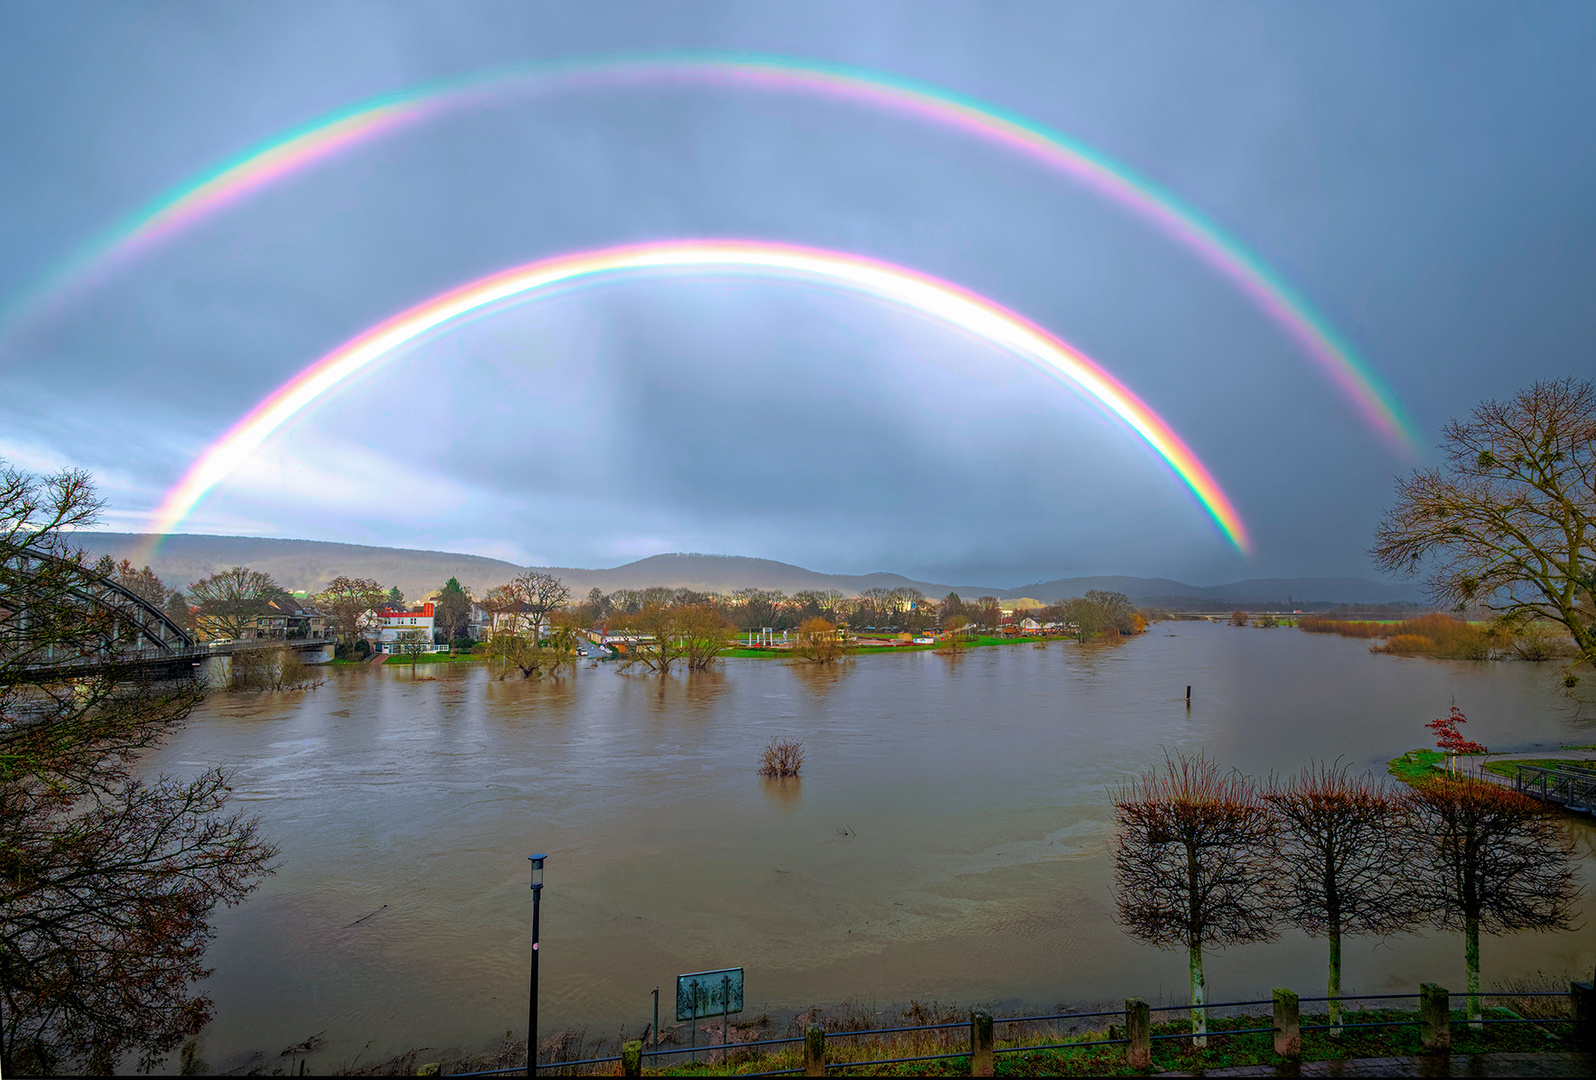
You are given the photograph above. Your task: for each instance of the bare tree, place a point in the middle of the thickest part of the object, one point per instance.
(228, 602)
(1509, 521)
(1342, 851)
(693, 634)
(141, 583)
(350, 605)
(1489, 859)
(538, 594)
(412, 643)
(1193, 852)
(109, 881)
(819, 641)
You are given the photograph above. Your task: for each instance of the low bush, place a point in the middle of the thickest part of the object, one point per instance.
(781, 757)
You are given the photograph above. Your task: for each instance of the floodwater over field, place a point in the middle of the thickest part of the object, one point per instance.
(948, 840)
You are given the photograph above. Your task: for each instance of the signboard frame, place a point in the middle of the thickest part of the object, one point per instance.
(707, 1000)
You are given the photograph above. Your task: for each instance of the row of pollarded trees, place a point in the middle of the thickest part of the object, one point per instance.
(1205, 858)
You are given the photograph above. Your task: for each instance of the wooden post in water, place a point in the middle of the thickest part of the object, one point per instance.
(1188, 697)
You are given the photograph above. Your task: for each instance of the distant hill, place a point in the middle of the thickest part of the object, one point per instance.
(309, 564)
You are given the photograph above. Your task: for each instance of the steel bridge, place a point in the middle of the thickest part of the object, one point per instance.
(135, 635)
(1571, 786)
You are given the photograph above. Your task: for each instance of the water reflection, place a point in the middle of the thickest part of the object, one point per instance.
(782, 791)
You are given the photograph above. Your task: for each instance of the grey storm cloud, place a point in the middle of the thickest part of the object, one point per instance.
(1418, 172)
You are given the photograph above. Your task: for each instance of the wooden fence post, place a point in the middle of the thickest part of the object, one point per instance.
(1139, 1033)
(1435, 1018)
(980, 1044)
(814, 1050)
(1288, 1025)
(632, 1058)
(1584, 1010)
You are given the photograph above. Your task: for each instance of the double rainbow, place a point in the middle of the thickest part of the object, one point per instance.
(294, 150)
(930, 296)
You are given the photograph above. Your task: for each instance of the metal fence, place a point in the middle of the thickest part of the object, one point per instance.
(1118, 1036)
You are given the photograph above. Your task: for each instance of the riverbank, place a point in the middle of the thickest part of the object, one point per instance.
(1421, 764)
(1044, 1047)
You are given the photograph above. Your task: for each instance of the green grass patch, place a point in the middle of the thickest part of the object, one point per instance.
(1415, 765)
(437, 658)
(1509, 769)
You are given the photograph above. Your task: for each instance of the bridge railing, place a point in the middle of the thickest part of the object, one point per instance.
(1572, 786)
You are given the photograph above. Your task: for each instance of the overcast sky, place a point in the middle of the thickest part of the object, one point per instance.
(1421, 174)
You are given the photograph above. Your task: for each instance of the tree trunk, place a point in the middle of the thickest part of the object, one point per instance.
(1335, 983)
(1471, 955)
(1199, 998)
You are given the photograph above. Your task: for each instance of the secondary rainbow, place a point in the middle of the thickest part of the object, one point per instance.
(930, 296)
(294, 150)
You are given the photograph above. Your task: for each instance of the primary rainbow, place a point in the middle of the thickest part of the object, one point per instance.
(919, 292)
(292, 151)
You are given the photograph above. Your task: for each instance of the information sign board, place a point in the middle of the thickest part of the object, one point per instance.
(709, 993)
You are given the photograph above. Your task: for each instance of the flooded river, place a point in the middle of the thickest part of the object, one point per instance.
(948, 840)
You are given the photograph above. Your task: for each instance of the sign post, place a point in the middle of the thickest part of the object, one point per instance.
(706, 992)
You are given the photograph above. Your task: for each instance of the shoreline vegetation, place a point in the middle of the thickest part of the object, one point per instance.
(1169, 1052)
(1445, 637)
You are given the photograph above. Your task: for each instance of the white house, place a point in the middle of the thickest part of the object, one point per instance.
(391, 623)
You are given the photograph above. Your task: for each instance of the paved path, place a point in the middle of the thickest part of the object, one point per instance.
(1550, 1064)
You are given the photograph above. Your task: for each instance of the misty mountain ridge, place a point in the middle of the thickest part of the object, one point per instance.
(307, 565)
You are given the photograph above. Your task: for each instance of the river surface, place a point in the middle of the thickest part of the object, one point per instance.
(948, 839)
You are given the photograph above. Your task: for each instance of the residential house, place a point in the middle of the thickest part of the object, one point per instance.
(282, 619)
(393, 622)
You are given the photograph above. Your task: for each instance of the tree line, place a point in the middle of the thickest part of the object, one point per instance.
(1205, 858)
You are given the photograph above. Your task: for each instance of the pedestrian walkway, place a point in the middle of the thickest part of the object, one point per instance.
(1551, 1064)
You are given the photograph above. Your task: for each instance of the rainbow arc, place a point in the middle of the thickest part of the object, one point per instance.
(930, 296)
(295, 150)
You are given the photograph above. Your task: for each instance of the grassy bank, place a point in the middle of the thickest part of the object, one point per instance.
(1415, 765)
(438, 658)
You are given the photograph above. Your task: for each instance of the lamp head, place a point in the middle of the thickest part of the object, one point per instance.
(537, 871)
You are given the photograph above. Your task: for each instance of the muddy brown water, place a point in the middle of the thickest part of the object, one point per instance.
(947, 841)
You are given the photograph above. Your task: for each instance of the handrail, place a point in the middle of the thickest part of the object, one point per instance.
(1220, 1033)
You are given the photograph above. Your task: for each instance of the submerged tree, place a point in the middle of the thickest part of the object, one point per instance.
(107, 881)
(820, 641)
(1193, 848)
(690, 634)
(1341, 848)
(1489, 859)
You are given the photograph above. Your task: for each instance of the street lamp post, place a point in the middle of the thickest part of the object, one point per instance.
(532, 1004)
